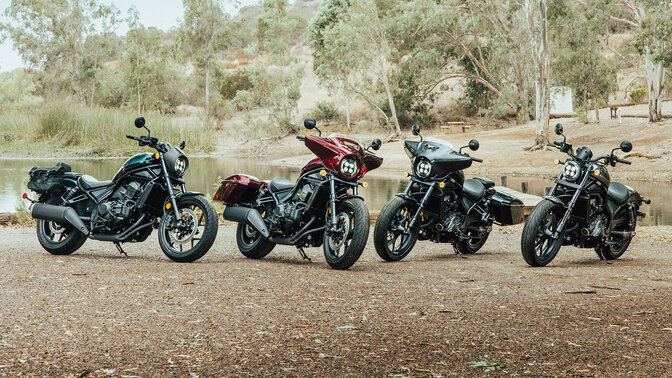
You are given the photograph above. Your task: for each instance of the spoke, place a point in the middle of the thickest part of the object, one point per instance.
(61, 236)
(180, 247)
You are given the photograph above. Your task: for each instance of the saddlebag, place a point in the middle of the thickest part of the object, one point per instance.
(238, 188)
(507, 209)
(48, 180)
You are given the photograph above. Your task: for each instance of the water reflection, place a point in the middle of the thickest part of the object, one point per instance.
(203, 176)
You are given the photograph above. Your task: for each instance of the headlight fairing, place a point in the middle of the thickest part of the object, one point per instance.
(349, 166)
(423, 167)
(176, 161)
(571, 170)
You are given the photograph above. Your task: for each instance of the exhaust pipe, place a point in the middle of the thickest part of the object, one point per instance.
(59, 214)
(248, 216)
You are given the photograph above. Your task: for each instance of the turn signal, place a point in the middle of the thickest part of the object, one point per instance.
(365, 184)
(24, 196)
(405, 174)
(156, 155)
(597, 172)
(323, 173)
(168, 206)
(643, 215)
(216, 197)
(442, 185)
(556, 161)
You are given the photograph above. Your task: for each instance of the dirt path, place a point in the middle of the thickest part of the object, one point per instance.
(95, 312)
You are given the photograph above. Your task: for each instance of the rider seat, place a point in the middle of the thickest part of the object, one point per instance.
(279, 184)
(618, 192)
(473, 189)
(487, 183)
(90, 183)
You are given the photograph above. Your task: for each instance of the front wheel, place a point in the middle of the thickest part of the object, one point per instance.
(190, 237)
(344, 243)
(392, 237)
(537, 243)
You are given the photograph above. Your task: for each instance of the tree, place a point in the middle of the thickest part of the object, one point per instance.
(204, 32)
(541, 54)
(52, 36)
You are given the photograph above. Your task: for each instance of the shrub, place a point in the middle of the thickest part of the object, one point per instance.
(639, 95)
(325, 111)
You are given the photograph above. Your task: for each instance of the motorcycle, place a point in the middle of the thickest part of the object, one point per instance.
(583, 208)
(72, 207)
(321, 208)
(438, 204)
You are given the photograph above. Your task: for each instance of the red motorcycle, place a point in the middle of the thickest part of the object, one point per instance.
(321, 208)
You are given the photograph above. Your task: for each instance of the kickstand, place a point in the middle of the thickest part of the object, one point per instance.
(121, 250)
(604, 258)
(457, 252)
(303, 254)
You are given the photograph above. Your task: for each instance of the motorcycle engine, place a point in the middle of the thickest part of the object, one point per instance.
(287, 215)
(118, 208)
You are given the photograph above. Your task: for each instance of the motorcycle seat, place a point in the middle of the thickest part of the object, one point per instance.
(473, 189)
(89, 183)
(279, 184)
(618, 192)
(487, 183)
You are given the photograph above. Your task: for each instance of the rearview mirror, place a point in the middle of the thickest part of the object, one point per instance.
(474, 145)
(140, 122)
(376, 144)
(416, 130)
(309, 123)
(626, 146)
(558, 129)
(182, 145)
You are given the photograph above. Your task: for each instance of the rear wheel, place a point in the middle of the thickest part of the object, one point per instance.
(58, 239)
(191, 236)
(621, 244)
(473, 244)
(392, 237)
(537, 244)
(344, 244)
(251, 243)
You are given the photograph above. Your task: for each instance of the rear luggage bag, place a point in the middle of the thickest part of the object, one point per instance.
(48, 180)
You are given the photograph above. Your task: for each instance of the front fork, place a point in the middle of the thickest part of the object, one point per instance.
(171, 193)
(570, 206)
(332, 202)
(423, 202)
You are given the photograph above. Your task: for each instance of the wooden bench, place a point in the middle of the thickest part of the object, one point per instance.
(613, 110)
(452, 127)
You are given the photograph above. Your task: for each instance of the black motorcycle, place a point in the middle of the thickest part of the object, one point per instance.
(440, 205)
(147, 192)
(583, 208)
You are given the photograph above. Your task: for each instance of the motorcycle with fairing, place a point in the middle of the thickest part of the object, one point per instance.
(584, 208)
(147, 192)
(321, 208)
(438, 204)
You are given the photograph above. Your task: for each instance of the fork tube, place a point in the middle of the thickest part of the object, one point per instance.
(408, 188)
(332, 200)
(570, 206)
(555, 184)
(422, 206)
(170, 188)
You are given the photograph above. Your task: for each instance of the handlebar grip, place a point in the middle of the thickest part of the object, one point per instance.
(477, 159)
(299, 137)
(557, 144)
(624, 161)
(130, 136)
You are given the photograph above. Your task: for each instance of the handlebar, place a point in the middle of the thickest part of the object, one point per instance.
(132, 137)
(623, 161)
(301, 138)
(477, 159)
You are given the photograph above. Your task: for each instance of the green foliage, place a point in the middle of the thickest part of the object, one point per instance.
(639, 95)
(230, 83)
(325, 111)
(18, 88)
(277, 29)
(655, 35)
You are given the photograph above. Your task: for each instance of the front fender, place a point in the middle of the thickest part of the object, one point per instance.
(180, 196)
(555, 200)
(348, 196)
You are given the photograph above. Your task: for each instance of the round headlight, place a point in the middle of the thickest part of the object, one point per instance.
(571, 170)
(181, 165)
(423, 168)
(349, 167)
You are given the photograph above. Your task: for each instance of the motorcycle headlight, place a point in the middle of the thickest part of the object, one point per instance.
(349, 166)
(181, 165)
(571, 170)
(423, 168)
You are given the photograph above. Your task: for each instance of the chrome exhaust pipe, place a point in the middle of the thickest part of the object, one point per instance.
(59, 214)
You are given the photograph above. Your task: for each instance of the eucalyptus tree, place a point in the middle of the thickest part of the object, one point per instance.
(537, 23)
(52, 36)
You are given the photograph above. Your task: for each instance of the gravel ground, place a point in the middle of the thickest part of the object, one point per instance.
(98, 313)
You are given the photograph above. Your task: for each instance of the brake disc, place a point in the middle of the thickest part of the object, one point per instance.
(337, 239)
(184, 233)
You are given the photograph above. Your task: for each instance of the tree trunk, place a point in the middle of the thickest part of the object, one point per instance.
(656, 75)
(585, 104)
(596, 101)
(347, 105)
(390, 98)
(542, 59)
(207, 89)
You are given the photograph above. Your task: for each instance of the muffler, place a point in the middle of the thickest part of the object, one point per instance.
(246, 215)
(59, 214)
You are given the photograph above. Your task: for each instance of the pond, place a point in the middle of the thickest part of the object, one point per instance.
(204, 173)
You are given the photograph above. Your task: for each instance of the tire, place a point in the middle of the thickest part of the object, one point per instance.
(612, 252)
(472, 245)
(396, 211)
(251, 243)
(58, 239)
(537, 247)
(203, 233)
(353, 219)
(69, 239)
